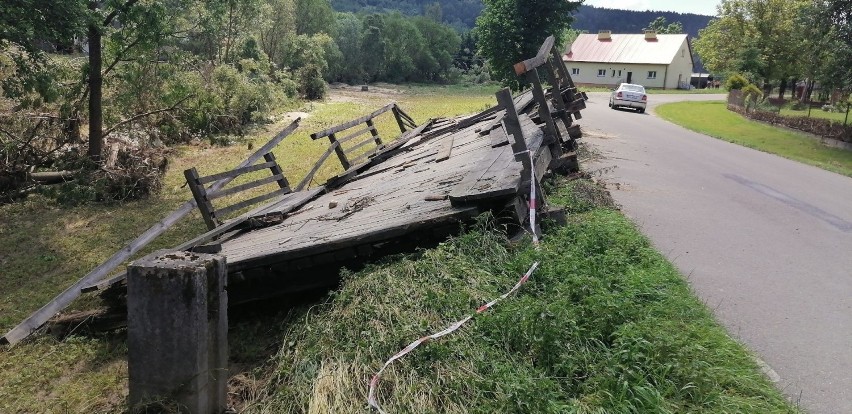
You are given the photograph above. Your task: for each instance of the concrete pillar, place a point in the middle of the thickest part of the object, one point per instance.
(177, 331)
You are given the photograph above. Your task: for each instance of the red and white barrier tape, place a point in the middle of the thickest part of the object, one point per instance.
(371, 398)
(533, 204)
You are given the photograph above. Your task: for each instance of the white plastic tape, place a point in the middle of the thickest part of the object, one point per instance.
(371, 396)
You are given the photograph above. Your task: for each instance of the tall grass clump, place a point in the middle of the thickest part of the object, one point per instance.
(605, 325)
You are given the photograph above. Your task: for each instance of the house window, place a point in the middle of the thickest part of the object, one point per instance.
(652, 74)
(613, 73)
(619, 73)
(575, 71)
(601, 73)
(683, 53)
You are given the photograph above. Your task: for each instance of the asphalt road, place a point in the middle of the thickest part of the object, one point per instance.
(764, 241)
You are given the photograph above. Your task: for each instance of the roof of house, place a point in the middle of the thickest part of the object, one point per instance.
(626, 48)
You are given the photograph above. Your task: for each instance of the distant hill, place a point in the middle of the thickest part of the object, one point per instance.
(627, 21)
(461, 14)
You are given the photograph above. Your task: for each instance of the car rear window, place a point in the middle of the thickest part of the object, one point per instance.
(633, 88)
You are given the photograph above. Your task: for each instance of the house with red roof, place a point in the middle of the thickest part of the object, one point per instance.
(662, 61)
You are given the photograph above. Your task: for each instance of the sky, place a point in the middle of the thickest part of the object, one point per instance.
(706, 7)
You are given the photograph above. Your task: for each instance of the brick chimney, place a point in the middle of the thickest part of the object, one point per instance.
(604, 35)
(650, 35)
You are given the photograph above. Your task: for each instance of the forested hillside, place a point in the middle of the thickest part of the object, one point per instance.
(627, 21)
(462, 14)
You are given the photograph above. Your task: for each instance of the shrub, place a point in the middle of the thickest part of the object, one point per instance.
(736, 82)
(751, 95)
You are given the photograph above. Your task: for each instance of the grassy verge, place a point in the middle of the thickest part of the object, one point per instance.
(713, 118)
(606, 325)
(818, 113)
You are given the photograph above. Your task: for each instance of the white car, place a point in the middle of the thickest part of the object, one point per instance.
(628, 95)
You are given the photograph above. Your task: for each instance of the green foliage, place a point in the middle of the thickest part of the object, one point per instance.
(736, 82)
(314, 16)
(512, 30)
(660, 25)
(751, 94)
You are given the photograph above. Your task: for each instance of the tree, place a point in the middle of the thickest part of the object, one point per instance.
(314, 16)
(373, 47)
(660, 25)
(837, 27)
(348, 40)
(512, 30)
(753, 37)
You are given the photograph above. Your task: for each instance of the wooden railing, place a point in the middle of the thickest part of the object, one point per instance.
(204, 197)
(355, 148)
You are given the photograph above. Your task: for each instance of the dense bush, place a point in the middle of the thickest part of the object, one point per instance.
(736, 82)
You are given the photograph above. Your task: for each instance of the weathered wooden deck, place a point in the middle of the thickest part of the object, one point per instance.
(407, 194)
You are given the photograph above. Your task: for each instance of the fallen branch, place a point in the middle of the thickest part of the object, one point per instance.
(144, 114)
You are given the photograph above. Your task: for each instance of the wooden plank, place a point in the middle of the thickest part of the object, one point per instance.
(352, 123)
(356, 134)
(291, 201)
(398, 116)
(245, 203)
(200, 195)
(538, 60)
(235, 172)
(356, 147)
(543, 108)
(341, 155)
(375, 133)
(460, 191)
(60, 302)
(276, 171)
(239, 188)
(358, 160)
(567, 81)
(499, 138)
(310, 175)
(446, 149)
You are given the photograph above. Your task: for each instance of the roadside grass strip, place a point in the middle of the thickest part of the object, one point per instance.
(714, 119)
(607, 325)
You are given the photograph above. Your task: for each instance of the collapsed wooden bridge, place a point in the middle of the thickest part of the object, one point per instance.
(390, 195)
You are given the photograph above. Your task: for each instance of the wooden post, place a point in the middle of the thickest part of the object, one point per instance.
(512, 126)
(543, 108)
(375, 133)
(341, 155)
(398, 117)
(177, 332)
(200, 195)
(563, 70)
(276, 170)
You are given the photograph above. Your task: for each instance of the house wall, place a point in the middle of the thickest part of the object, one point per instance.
(666, 75)
(589, 74)
(681, 65)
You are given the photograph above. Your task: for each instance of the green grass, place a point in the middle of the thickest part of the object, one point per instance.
(714, 119)
(606, 325)
(818, 113)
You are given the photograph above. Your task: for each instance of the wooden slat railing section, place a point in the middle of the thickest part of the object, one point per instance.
(214, 217)
(355, 153)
